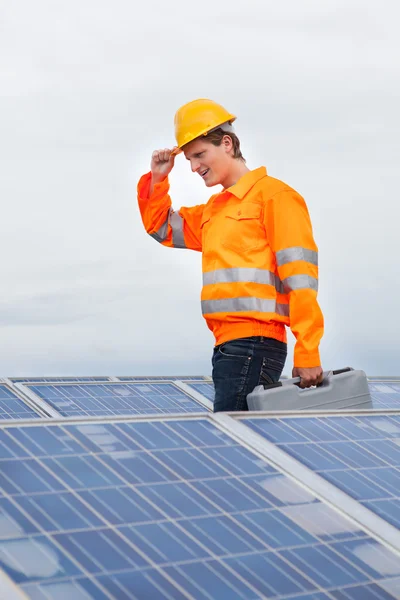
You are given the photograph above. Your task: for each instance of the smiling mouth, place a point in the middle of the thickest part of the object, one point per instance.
(204, 173)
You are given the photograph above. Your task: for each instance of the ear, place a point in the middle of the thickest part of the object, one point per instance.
(227, 143)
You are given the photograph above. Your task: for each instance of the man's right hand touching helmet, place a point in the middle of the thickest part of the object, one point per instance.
(162, 163)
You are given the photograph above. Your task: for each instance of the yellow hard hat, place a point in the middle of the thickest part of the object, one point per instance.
(198, 118)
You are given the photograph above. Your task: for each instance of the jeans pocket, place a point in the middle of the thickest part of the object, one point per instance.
(271, 369)
(235, 350)
(275, 363)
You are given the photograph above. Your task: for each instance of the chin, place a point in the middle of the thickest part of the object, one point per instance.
(211, 182)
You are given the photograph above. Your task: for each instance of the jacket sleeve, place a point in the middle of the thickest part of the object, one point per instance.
(290, 235)
(175, 229)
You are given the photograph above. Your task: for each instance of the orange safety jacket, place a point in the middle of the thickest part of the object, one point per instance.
(260, 260)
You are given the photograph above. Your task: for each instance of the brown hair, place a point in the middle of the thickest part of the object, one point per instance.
(215, 137)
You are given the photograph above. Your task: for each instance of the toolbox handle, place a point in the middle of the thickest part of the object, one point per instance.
(345, 370)
(327, 376)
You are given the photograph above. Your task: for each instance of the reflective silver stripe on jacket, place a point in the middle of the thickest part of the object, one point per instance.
(262, 276)
(175, 220)
(300, 282)
(239, 274)
(289, 255)
(230, 305)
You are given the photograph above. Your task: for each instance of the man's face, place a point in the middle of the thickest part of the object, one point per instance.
(209, 161)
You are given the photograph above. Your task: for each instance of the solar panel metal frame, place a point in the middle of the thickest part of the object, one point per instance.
(9, 590)
(39, 408)
(384, 378)
(35, 400)
(185, 387)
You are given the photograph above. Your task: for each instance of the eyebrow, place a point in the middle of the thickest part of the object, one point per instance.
(194, 154)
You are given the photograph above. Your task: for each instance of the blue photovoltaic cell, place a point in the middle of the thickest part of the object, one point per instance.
(360, 455)
(55, 379)
(150, 509)
(206, 389)
(12, 407)
(117, 399)
(385, 394)
(162, 377)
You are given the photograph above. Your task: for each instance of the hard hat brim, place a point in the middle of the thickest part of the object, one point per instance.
(176, 151)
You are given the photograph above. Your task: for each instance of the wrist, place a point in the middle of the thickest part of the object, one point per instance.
(157, 178)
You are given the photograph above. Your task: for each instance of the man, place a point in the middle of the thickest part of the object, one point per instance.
(260, 267)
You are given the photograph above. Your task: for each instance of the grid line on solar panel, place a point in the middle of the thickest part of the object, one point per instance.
(12, 407)
(360, 455)
(110, 399)
(180, 497)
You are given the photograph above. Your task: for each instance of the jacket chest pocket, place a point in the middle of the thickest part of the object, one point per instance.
(204, 226)
(242, 228)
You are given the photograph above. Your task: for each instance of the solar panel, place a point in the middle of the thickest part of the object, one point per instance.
(206, 389)
(359, 455)
(162, 377)
(171, 509)
(12, 407)
(116, 399)
(56, 379)
(385, 394)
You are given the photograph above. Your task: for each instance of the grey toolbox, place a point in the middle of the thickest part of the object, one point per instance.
(344, 388)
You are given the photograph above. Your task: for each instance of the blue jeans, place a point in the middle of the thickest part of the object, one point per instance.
(242, 364)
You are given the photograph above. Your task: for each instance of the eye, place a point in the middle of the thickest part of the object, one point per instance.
(198, 155)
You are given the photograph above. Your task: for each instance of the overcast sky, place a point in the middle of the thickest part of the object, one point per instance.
(88, 88)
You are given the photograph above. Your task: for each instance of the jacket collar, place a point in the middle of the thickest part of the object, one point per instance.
(246, 182)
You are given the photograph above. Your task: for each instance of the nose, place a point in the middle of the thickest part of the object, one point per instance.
(194, 164)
